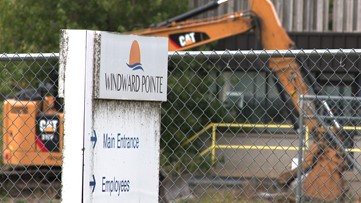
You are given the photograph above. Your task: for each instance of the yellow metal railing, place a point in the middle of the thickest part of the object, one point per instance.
(215, 146)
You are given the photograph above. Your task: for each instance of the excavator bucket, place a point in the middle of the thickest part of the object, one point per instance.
(324, 181)
(322, 168)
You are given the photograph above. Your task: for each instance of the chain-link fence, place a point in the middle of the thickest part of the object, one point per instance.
(31, 128)
(238, 126)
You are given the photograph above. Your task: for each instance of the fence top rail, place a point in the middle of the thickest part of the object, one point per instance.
(267, 53)
(325, 97)
(28, 56)
(214, 54)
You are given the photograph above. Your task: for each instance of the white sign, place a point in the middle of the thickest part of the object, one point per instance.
(133, 67)
(111, 140)
(126, 152)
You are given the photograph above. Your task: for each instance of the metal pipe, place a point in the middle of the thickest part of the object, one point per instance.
(28, 56)
(265, 54)
(262, 54)
(348, 118)
(300, 153)
(184, 16)
(337, 125)
(331, 97)
(337, 141)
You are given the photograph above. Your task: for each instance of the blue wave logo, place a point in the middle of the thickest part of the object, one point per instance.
(135, 66)
(134, 57)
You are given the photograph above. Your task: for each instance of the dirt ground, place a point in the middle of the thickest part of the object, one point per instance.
(248, 190)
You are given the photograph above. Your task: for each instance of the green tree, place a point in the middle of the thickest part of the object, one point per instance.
(34, 26)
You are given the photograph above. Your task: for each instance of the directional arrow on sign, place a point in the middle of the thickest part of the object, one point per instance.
(94, 139)
(92, 184)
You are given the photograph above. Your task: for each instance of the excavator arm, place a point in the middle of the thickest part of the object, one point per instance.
(323, 163)
(287, 69)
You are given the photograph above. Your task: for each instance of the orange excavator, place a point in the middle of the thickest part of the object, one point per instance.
(33, 128)
(323, 163)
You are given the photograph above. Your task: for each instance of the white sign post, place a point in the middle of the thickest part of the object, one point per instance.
(112, 87)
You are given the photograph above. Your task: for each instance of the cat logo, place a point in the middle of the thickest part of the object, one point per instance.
(47, 133)
(48, 126)
(181, 40)
(187, 39)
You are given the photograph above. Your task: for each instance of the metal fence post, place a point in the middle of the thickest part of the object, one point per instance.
(300, 150)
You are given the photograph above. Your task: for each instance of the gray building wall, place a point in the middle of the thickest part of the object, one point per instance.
(302, 15)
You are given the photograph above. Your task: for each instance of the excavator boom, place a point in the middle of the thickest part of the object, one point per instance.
(193, 33)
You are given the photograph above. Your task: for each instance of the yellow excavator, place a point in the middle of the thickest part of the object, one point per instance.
(33, 127)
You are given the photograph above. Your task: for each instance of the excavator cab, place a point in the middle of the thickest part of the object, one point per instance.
(33, 129)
